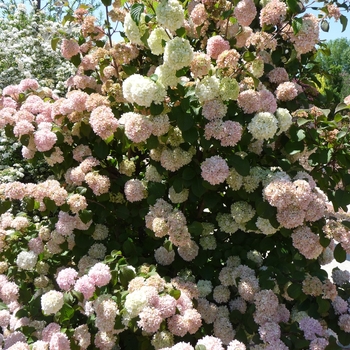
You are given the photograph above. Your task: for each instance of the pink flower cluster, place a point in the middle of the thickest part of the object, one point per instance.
(228, 133)
(295, 201)
(215, 170)
(273, 13)
(245, 12)
(216, 45)
(103, 122)
(252, 101)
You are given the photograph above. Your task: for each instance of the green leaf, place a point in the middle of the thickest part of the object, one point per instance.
(344, 22)
(185, 121)
(136, 11)
(339, 253)
(297, 24)
(175, 293)
(101, 149)
(106, 2)
(156, 189)
(241, 165)
(346, 224)
(293, 6)
(156, 109)
(126, 274)
(294, 290)
(198, 189)
(129, 69)
(249, 56)
(66, 312)
(191, 135)
(5, 206)
(265, 210)
(325, 25)
(76, 60)
(323, 305)
(181, 32)
(195, 228)
(341, 106)
(302, 121)
(200, 347)
(85, 215)
(188, 173)
(50, 204)
(54, 43)
(341, 134)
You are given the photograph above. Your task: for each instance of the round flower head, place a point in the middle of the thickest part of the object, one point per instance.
(132, 30)
(216, 45)
(178, 53)
(134, 190)
(26, 260)
(155, 40)
(142, 90)
(215, 170)
(245, 12)
(170, 14)
(51, 302)
(263, 126)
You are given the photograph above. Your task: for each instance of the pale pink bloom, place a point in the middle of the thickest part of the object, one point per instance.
(36, 245)
(211, 343)
(7, 116)
(150, 319)
(236, 345)
(333, 11)
(24, 115)
(228, 59)
(59, 341)
(44, 140)
(311, 327)
(232, 133)
(245, 12)
(198, 14)
(216, 45)
(77, 203)
(98, 183)
(287, 91)
(249, 101)
(4, 318)
(306, 242)
(65, 224)
(22, 128)
(215, 170)
(318, 344)
(214, 109)
(278, 75)
(33, 104)
(69, 48)
(193, 319)
(100, 274)
(267, 101)
(177, 325)
(347, 100)
(66, 278)
(49, 330)
(80, 152)
(15, 190)
(344, 322)
(11, 90)
(290, 216)
(86, 286)
(262, 41)
(138, 128)
(26, 84)
(8, 102)
(164, 257)
(134, 190)
(9, 292)
(200, 64)
(273, 13)
(103, 122)
(189, 250)
(166, 306)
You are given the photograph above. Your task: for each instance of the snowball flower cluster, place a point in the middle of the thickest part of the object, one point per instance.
(178, 53)
(51, 302)
(215, 170)
(263, 126)
(26, 260)
(170, 14)
(142, 90)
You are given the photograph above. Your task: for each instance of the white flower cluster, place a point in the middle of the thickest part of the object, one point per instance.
(142, 90)
(26, 260)
(51, 302)
(208, 88)
(242, 212)
(21, 58)
(170, 14)
(155, 41)
(263, 126)
(178, 53)
(132, 30)
(284, 119)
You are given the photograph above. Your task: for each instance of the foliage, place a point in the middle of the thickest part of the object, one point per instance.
(336, 65)
(22, 58)
(200, 185)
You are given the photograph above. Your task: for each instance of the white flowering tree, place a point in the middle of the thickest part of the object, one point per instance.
(200, 186)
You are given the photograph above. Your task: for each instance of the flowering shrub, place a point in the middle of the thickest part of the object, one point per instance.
(200, 185)
(21, 58)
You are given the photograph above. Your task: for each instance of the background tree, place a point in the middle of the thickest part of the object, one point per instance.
(335, 61)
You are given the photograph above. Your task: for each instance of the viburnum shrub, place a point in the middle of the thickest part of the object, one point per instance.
(200, 186)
